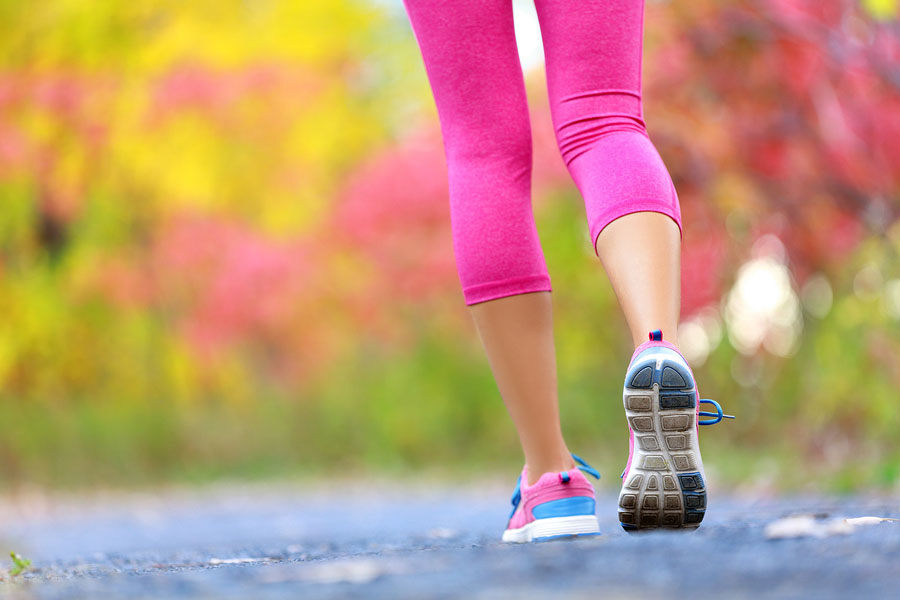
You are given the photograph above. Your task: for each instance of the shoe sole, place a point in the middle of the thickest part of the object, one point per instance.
(664, 486)
(553, 528)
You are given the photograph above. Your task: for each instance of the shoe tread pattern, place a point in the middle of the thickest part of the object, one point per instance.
(664, 487)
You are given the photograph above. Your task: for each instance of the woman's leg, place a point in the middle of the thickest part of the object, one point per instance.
(517, 333)
(593, 52)
(470, 56)
(593, 55)
(641, 253)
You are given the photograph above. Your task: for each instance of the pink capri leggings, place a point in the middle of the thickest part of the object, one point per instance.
(593, 51)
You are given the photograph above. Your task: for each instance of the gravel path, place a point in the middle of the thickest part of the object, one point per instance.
(380, 540)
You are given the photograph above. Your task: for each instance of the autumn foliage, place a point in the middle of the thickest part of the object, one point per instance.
(220, 207)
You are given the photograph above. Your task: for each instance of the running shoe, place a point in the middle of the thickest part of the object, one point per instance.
(558, 505)
(663, 484)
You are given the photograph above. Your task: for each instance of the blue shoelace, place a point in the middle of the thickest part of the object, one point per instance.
(656, 335)
(718, 415)
(581, 465)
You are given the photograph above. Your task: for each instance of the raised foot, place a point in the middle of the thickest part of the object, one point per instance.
(664, 487)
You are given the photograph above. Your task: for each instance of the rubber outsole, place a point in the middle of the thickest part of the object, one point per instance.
(664, 486)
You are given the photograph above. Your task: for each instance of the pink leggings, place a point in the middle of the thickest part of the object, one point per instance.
(592, 52)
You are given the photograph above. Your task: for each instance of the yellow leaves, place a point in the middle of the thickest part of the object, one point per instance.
(67, 33)
(231, 34)
(182, 163)
(38, 126)
(251, 109)
(182, 36)
(286, 211)
(180, 372)
(7, 353)
(16, 220)
(247, 113)
(312, 32)
(152, 35)
(882, 10)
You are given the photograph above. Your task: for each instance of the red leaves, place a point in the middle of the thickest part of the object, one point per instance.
(394, 214)
(807, 95)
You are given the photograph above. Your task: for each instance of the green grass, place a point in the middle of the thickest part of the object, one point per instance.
(435, 410)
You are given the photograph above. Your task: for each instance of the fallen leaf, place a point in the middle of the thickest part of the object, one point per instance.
(443, 533)
(237, 561)
(806, 526)
(870, 520)
(348, 570)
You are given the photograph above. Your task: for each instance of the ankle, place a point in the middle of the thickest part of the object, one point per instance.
(537, 468)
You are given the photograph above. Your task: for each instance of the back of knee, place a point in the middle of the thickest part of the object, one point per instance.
(490, 141)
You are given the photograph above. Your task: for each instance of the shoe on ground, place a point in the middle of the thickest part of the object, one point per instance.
(664, 484)
(558, 505)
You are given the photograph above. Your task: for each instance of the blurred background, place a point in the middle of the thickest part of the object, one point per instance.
(225, 246)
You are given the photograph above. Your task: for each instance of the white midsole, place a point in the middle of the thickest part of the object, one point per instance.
(553, 526)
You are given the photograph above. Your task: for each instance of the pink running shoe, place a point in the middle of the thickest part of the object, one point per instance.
(663, 484)
(558, 505)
